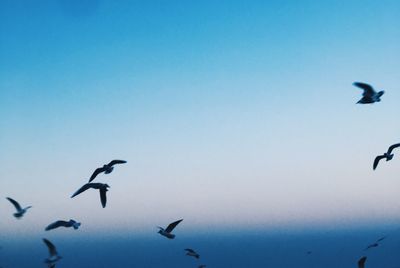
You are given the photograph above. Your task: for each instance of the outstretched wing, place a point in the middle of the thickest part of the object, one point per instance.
(380, 239)
(51, 247)
(361, 262)
(82, 189)
(103, 197)
(172, 226)
(96, 172)
(15, 203)
(377, 159)
(114, 162)
(368, 90)
(190, 250)
(394, 146)
(56, 224)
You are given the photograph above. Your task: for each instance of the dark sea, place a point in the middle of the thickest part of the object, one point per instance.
(268, 249)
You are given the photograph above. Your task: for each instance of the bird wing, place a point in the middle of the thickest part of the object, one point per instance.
(380, 239)
(172, 226)
(96, 172)
(15, 203)
(190, 250)
(52, 248)
(82, 189)
(361, 262)
(103, 197)
(56, 224)
(113, 162)
(368, 90)
(394, 146)
(377, 159)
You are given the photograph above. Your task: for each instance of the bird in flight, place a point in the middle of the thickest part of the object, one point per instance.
(191, 252)
(369, 95)
(20, 211)
(388, 155)
(102, 187)
(60, 223)
(54, 257)
(202, 265)
(361, 262)
(167, 231)
(107, 168)
(375, 244)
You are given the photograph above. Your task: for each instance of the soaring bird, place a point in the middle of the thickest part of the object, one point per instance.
(375, 244)
(20, 211)
(388, 155)
(167, 231)
(67, 224)
(102, 187)
(202, 265)
(107, 168)
(191, 252)
(361, 262)
(369, 95)
(54, 257)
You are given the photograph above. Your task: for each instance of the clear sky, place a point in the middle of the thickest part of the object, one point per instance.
(231, 114)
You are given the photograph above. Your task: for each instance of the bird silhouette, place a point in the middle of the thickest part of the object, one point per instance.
(102, 187)
(191, 252)
(369, 95)
(20, 211)
(167, 231)
(53, 254)
(107, 168)
(60, 223)
(388, 155)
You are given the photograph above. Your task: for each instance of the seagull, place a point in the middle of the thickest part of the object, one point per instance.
(20, 211)
(56, 224)
(191, 252)
(100, 186)
(361, 262)
(388, 155)
(375, 244)
(369, 95)
(167, 232)
(107, 168)
(54, 257)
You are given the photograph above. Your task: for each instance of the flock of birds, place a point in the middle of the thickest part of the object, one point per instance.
(369, 96)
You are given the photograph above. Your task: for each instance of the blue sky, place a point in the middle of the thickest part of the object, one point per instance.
(230, 114)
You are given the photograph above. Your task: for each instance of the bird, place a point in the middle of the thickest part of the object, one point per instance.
(102, 187)
(388, 155)
(107, 168)
(167, 231)
(20, 211)
(369, 95)
(375, 244)
(54, 257)
(361, 262)
(202, 266)
(60, 223)
(191, 252)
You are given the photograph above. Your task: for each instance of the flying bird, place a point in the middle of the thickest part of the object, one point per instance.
(361, 262)
(388, 155)
(20, 211)
(202, 266)
(54, 257)
(67, 224)
(191, 252)
(107, 168)
(167, 231)
(102, 187)
(369, 95)
(375, 244)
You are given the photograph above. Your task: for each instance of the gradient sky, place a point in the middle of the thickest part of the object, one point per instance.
(231, 114)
